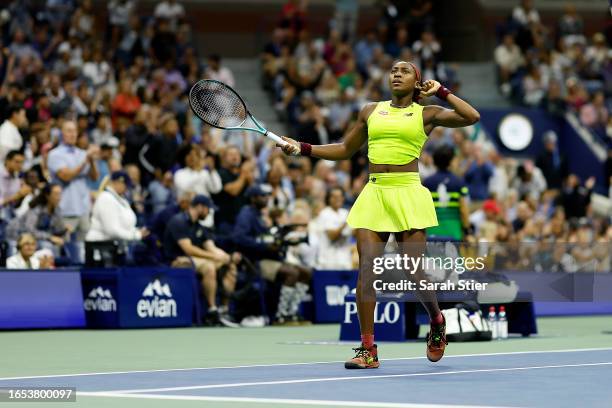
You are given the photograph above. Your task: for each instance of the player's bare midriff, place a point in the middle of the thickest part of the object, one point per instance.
(413, 166)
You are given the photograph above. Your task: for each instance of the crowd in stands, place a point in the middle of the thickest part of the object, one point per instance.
(319, 85)
(97, 143)
(558, 68)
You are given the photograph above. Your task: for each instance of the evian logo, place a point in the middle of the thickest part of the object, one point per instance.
(157, 301)
(100, 300)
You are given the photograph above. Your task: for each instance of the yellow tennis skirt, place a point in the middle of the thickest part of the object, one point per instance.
(393, 202)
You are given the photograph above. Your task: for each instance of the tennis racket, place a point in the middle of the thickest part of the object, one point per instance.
(218, 105)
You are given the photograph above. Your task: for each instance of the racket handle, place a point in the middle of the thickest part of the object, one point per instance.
(276, 138)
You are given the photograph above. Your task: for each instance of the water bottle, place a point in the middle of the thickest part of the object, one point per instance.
(502, 324)
(493, 322)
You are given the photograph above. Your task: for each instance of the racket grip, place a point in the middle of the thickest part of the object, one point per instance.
(276, 138)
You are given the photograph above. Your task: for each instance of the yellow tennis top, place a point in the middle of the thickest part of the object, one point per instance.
(395, 135)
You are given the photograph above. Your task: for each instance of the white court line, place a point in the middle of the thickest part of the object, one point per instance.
(296, 364)
(279, 401)
(346, 378)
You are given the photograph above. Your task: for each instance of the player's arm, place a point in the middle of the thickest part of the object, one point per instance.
(354, 139)
(462, 113)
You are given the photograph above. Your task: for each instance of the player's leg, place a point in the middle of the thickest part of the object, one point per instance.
(413, 244)
(370, 245)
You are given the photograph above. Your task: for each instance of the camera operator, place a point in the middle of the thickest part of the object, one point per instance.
(259, 239)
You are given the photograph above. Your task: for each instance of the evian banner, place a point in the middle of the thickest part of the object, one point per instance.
(138, 297)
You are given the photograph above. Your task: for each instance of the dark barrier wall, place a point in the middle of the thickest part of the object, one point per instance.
(581, 159)
(41, 299)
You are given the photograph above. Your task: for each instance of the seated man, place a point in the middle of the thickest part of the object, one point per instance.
(187, 243)
(26, 258)
(253, 237)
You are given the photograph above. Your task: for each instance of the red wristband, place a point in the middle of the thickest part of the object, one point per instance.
(305, 149)
(443, 93)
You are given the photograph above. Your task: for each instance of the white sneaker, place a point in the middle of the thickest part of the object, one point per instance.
(253, 321)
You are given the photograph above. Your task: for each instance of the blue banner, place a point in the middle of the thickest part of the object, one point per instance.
(138, 297)
(389, 321)
(41, 299)
(329, 289)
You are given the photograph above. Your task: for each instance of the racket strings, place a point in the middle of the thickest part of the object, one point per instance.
(217, 104)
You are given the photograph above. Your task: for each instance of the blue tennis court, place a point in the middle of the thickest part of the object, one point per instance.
(570, 378)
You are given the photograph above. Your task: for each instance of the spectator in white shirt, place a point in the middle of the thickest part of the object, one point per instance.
(171, 10)
(198, 174)
(112, 216)
(508, 58)
(10, 138)
(97, 69)
(26, 257)
(525, 14)
(333, 243)
(218, 72)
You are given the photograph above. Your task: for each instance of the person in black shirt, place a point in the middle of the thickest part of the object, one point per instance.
(188, 243)
(236, 177)
(576, 198)
(551, 162)
(253, 236)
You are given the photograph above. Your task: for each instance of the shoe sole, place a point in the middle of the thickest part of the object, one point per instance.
(353, 366)
(228, 323)
(433, 360)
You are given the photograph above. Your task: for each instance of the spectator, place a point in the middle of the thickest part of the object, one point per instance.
(576, 198)
(160, 193)
(252, 231)
(43, 220)
(477, 176)
(594, 114)
(103, 132)
(529, 180)
(427, 47)
(25, 258)
(552, 162)
(126, 103)
(70, 166)
(525, 14)
(364, 50)
(218, 72)
(236, 177)
(96, 69)
(31, 179)
(13, 189)
(198, 174)
(103, 164)
(170, 10)
(159, 152)
(509, 59)
(554, 102)
(571, 26)
(449, 193)
(10, 137)
(164, 42)
(534, 86)
(112, 218)
(333, 234)
(523, 214)
(281, 196)
(187, 243)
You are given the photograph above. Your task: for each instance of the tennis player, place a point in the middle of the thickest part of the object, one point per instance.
(393, 201)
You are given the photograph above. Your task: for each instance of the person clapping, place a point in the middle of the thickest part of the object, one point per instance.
(112, 216)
